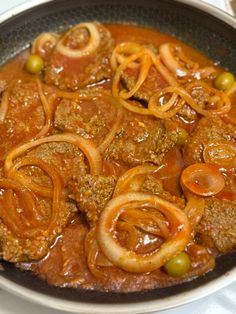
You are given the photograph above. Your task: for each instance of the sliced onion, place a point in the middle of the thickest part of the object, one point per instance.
(222, 153)
(145, 64)
(203, 73)
(126, 181)
(166, 74)
(4, 105)
(35, 226)
(147, 221)
(27, 181)
(90, 48)
(172, 106)
(129, 228)
(194, 208)
(114, 129)
(173, 58)
(203, 179)
(39, 44)
(219, 97)
(5, 101)
(123, 51)
(180, 233)
(48, 106)
(87, 147)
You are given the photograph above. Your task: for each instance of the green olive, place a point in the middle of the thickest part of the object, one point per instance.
(182, 136)
(34, 64)
(224, 81)
(178, 265)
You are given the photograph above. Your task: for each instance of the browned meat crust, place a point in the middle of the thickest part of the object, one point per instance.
(25, 116)
(217, 226)
(16, 249)
(141, 139)
(207, 130)
(74, 73)
(89, 118)
(92, 193)
(64, 157)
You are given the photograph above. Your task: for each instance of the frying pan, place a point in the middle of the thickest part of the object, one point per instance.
(201, 26)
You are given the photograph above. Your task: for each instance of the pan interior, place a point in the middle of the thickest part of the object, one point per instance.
(201, 30)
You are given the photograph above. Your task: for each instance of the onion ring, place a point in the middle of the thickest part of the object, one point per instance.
(129, 260)
(92, 45)
(87, 147)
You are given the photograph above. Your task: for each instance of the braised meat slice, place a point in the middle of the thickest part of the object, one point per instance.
(141, 139)
(208, 130)
(153, 185)
(217, 226)
(66, 158)
(70, 72)
(92, 192)
(91, 118)
(25, 116)
(153, 83)
(15, 249)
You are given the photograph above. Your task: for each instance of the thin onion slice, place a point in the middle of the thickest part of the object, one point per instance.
(174, 58)
(144, 68)
(111, 134)
(146, 220)
(166, 74)
(26, 198)
(217, 96)
(40, 42)
(27, 181)
(129, 228)
(83, 95)
(203, 179)
(203, 73)
(48, 106)
(194, 208)
(87, 147)
(123, 51)
(33, 227)
(180, 233)
(222, 153)
(90, 48)
(125, 182)
(172, 106)
(5, 101)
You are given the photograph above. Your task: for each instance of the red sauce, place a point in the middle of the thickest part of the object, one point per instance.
(65, 264)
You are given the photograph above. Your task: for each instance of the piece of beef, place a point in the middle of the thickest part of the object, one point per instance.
(217, 226)
(91, 118)
(69, 160)
(155, 186)
(16, 249)
(25, 116)
(141, 139)
(207, 130)
(64, 157)
(152, 84)
(74, 73)
(92, 192)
